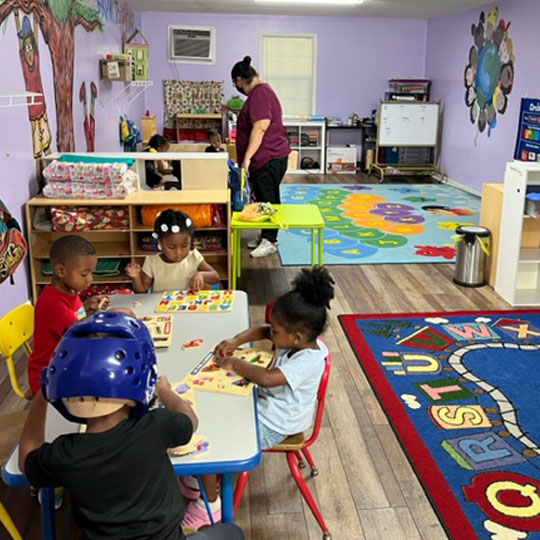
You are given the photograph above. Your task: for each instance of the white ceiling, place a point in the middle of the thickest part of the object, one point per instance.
(414, 9)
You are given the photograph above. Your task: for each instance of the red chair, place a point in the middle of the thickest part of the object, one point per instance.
(293, 447)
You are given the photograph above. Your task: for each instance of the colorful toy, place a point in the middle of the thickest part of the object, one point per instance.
(139, 56)
(161, 328)
(192, 344)
(209, 377)
(196, 302)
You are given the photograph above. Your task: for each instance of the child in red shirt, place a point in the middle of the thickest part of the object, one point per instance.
(73, 259)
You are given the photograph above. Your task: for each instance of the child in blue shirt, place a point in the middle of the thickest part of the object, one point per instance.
(287, 389)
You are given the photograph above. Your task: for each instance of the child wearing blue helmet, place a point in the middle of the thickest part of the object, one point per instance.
(120, 478)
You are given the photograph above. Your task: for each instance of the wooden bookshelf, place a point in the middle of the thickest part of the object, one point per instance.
(125, 243)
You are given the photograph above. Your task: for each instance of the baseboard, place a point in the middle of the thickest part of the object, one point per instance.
(441, 177)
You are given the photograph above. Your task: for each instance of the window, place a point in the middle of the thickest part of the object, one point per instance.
(192, 44)
(288, 63)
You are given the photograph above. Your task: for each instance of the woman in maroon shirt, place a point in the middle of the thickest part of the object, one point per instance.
(261, 144)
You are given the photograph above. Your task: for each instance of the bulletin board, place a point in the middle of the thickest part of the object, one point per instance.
(408, 124)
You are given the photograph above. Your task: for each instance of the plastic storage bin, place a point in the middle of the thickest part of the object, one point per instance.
(532, 204)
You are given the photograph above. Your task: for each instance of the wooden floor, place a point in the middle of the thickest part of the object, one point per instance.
(366, 487)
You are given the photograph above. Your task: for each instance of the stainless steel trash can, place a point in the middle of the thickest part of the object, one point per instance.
(472, 250)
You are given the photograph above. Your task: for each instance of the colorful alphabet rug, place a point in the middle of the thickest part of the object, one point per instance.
(379, 223)
(461, 391)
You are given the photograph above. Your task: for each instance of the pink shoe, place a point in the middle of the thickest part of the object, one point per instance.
(188, 492)
(197, 517)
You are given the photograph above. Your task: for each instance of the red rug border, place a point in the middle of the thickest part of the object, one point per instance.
(434, 483)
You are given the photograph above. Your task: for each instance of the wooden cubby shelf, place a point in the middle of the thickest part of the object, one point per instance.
(124, 243)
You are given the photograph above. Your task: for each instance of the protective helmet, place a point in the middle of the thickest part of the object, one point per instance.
(109, 357)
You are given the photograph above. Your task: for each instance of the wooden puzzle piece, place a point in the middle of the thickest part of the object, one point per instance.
(186, 392)
(198, 446)
(192, 344)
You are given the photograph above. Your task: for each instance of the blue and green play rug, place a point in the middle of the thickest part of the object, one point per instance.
(379, 223)
(461, 391)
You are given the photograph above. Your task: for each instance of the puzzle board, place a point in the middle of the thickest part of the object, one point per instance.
(161, 328)
(207, 376)
(196, 302)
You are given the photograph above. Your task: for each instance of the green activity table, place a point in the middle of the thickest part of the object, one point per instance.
(289, 216)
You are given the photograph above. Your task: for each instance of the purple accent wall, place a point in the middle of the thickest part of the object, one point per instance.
(448, 42)
(17, 165)
(355, 56)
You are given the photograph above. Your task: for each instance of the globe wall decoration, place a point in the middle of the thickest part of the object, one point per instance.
(489, 75)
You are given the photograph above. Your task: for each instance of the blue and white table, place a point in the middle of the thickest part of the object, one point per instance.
(228, 422)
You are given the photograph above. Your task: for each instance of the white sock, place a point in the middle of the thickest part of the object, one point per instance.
(214, 506)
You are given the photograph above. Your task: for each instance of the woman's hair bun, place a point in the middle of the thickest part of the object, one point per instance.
(246, 61)
(315, 285)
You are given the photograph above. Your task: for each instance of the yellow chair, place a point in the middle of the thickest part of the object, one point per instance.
(16, 329)
(7, 522)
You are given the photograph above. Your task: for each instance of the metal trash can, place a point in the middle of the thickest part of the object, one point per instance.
(472, 243)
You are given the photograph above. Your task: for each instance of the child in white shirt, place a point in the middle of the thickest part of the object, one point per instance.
(287, 389)
(177, 266)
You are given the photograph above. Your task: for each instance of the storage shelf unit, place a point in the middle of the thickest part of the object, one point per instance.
(518, 268)
(309, 132)
(125, 243)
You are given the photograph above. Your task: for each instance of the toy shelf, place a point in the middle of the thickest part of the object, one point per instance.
(125, 243)
(518, 268)
(310, 130)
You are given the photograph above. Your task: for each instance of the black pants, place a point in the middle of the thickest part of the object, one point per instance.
(265, 182)
(222, 531)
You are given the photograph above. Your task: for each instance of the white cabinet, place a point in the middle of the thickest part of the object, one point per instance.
(518, 268)
(308, 139)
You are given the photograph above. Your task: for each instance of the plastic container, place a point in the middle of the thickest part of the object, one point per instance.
(532, 204)
(472, 250)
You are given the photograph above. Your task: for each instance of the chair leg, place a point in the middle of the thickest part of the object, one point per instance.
(300, 459)
(7, 522)
(239, 490)
(13, 377)
(306, 493)
(314, 470)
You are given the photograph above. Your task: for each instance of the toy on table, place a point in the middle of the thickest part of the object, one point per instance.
(209, 377)
(196, 447)
(161, 328)
(192, 344)
(196, 302)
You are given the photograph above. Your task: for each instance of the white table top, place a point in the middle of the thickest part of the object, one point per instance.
(228, 422)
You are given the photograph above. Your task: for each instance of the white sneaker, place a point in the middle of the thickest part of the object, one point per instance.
(254, 242)
(264, 249)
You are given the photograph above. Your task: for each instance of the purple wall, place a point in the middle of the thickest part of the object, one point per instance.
(17, 166)
(448, 42)
(355, 56)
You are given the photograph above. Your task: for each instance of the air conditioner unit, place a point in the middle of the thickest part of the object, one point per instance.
(192, 44)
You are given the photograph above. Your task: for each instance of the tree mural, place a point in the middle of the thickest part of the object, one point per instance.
(489, 76)
(57, 21)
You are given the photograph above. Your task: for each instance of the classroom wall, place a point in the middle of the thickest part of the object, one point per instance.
(17, 165)
(355, 56)
(448, 42)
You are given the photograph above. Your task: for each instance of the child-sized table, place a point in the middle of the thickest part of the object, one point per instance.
(229, 423)
(289, 216)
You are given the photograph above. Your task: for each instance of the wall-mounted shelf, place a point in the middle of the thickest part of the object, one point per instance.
(18, 98)
(125, 97)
